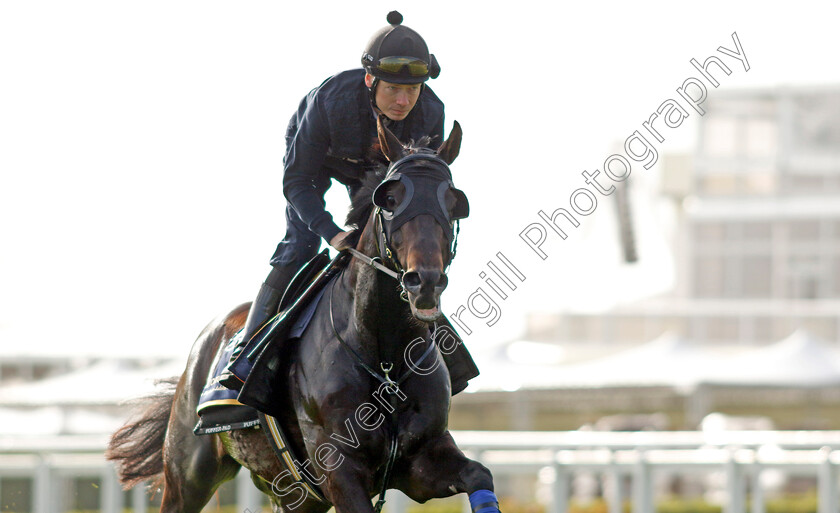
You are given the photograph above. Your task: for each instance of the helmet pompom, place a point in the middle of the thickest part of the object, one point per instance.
(394, 18)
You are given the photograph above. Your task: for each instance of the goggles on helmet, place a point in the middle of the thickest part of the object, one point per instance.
(395, 65)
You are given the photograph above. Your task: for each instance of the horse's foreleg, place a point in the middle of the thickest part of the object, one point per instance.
(346, 487)
(440, 469)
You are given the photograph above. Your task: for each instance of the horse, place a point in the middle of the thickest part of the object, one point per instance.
(360, 432)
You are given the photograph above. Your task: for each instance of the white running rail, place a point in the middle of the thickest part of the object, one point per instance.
(742, 455)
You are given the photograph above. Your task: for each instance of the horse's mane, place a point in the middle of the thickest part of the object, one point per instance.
(361, 205)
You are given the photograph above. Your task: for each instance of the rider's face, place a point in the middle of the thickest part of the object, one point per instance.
(395, 100)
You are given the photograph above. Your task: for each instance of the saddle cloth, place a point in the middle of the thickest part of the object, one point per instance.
(218, 406)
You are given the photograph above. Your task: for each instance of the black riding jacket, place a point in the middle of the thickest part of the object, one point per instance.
(333, 135)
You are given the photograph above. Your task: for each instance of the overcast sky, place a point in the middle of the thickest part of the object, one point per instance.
(141, 146)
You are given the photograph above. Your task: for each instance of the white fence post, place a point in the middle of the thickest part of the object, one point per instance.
(248, 496)
(735, 501)
(758, 505)
(826, 484)
(140, 498)
(560, 488)
(642, 486)
(111, 497)
(615, 501)
(43, 488)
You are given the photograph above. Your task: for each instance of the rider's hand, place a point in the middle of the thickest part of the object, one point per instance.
(340, 242)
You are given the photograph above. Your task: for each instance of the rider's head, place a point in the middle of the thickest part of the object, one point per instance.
(393, 100)
(398, 58)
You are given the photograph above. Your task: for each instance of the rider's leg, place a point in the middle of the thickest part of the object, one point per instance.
(268, 298)
(297, 247)
(262, 309)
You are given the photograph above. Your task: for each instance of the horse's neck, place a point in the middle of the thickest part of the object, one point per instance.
(382, 319)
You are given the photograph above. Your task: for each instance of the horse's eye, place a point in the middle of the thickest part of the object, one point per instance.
(390, 202)
(451, 201)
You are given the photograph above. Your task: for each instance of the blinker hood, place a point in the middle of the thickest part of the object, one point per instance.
(426, 184)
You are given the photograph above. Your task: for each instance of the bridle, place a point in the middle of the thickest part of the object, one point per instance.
(417, 201)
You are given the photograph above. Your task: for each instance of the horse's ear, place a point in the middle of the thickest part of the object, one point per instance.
(392, 148)
(450, 148)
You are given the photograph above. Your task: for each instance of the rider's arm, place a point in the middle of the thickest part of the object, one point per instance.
(433, 108)
(305, 179)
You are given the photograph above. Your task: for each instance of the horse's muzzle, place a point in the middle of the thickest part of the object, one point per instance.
(424, 287)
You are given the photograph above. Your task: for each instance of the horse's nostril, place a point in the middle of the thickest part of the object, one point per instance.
(411, 280)
(442, 282)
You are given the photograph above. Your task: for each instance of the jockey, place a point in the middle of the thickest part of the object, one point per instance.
(333, 136)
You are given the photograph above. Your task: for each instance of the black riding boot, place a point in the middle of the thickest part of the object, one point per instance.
(263, 308)
(268, 298)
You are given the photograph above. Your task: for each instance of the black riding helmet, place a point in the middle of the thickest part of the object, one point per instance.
(399, 55)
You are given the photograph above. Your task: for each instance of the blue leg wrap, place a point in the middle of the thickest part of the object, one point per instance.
(484, 501)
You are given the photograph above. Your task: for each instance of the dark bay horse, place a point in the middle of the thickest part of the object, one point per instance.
(349, 430)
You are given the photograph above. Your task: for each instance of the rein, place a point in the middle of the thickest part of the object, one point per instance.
(376, 263)
(392, 386)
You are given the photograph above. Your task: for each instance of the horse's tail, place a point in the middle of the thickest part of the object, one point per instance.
(137, 447)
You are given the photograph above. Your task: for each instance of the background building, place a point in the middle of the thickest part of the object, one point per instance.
(756, 241)
(758, 233)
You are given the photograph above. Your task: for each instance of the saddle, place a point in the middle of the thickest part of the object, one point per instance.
(259, 388)
(219, 407)
(306, 284)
